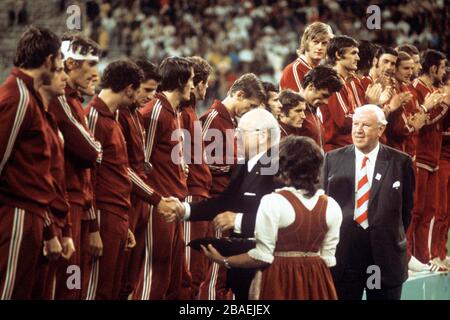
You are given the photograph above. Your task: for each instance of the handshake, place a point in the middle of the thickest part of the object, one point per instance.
(171, 208)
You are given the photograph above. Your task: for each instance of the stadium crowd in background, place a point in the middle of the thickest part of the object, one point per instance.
(261, 36)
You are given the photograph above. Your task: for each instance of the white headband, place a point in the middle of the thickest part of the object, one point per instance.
(68, 52)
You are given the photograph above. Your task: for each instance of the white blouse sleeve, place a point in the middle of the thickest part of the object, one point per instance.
(333, 219)
(268, 220)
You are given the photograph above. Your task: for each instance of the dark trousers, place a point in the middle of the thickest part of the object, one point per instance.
(357, 276)
(239, 280)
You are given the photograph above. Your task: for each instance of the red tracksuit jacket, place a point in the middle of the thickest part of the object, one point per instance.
(132, 126)
(199, 179)
(445, 151)
(161, 121)
(366, 81)
(112, 186)
(81, 150)
(429, 140)
(293, 74)
(217, 117)
(25, 149)
(398, 133)
(337, 115)
(60, 204)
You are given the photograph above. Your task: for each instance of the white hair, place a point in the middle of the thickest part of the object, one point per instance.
(261, 119)
(374, 109)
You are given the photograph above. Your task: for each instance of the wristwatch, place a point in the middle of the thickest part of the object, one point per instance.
(226, 263)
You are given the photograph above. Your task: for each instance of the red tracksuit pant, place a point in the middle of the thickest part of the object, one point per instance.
(215, 285)
(106, 271)
(62, 292)
(196, 261)
(21, 240)
(441, 223)
(134, 259)
(425, 208)
(164, 268)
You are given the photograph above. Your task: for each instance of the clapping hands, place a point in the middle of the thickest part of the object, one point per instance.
(434, 99)
(171, 208)
(373, 93)
(379, 95)
(417, 121)
(399, 100)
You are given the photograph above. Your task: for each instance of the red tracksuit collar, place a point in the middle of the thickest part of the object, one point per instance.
(133, 106)
(302, 58)
(164, 102)
(223, 111)
(73, 93)
(29, 83)
(351, 76)
(422, 83)
(101, 107)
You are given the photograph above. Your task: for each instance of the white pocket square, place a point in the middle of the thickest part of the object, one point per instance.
(250, 194)
(396, 185)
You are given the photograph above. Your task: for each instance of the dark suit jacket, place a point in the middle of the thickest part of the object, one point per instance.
(243, 195)
(389, 209)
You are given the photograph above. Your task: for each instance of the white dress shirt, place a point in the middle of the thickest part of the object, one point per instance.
(276, 212)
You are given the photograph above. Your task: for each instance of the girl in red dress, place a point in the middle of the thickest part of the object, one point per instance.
(297, 230)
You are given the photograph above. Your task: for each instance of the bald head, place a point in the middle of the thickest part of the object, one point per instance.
(259, 120)
(258, 131)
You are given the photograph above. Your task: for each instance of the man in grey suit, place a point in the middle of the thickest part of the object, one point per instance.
(374, 186)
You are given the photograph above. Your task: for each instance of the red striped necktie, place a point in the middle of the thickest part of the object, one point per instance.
(362, 197)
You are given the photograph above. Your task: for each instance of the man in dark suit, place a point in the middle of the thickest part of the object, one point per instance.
(374, 186)
(251, 179)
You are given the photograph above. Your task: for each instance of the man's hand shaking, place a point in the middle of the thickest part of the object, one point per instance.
(171, 208)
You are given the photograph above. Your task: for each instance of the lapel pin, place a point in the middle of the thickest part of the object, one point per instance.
(378, 176)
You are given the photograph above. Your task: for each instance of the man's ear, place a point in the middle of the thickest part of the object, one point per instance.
(49, 62)
(433, 69)
(337, 56)
(374, 62)
(129, 90)
(381, 130)
(239, 94)
(71, 64)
